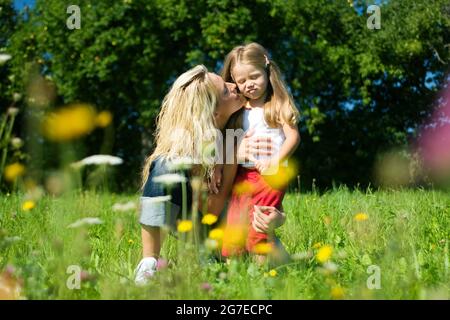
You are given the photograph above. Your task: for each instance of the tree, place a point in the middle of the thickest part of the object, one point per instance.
(360, 91)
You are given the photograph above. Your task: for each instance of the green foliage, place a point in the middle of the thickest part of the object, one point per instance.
(360, 91)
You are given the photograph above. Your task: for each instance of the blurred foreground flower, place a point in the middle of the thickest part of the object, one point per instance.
(13, 171)
(69, 123)
(434, 140)
(98, 159)
(361, 216)
(337, 292)
(181, 163)
(103, 119)
(184, 226)
(329, 268)
(324, 254)
(281, 178)
(28, 205)
(209, 219)
(263, 248)
(16, 143)
(169, 179)
(4, 57)
(216, 234)
(85, 222)
(205, 286)
(243, 188)
(130, 205)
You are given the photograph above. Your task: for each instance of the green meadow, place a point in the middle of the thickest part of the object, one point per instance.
(344, 245)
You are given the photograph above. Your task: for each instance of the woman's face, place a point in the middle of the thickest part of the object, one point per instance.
(229, 101)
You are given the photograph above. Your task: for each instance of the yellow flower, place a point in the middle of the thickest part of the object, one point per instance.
(103, 119)
(243, 188)
(209, 219)
(337, 292)
(262, 248)
(280, 179)
(235, 235)
(28, 205)
(216, 234)
(184, 226)
(130, 241)
(317, 245)
(69, 123)
(13, 171)
(273, 273)
(324, 253)
(361, 216)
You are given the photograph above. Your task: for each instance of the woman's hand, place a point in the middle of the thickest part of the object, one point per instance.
(253, 146)
(267, 219)
(215, 181)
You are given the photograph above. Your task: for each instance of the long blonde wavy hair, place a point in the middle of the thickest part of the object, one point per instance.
(185, 123)
(279, 105)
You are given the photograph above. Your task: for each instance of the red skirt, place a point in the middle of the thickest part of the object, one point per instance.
(249, 189)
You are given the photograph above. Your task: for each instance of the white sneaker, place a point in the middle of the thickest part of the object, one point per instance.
(145, 270)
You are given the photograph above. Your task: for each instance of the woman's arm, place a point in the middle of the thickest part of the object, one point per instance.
(216, 202)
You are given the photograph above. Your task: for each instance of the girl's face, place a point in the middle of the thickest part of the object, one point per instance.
(229, 100)
(251, 81)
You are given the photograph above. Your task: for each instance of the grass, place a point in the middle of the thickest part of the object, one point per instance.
(405, 238)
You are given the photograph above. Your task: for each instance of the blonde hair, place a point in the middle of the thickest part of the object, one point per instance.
(188, 109)
(279, 105)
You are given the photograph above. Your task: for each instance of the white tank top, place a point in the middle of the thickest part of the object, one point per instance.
(254, 118)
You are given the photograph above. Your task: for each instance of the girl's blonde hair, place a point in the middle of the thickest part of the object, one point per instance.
(185, 123)
(279, 105)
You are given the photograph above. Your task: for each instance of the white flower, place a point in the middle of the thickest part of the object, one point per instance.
(155, 199)
(131, 205)
(16, 96)
(85, 222)
(170, 178)
(16, 142)
(4, 57)
(12, 239)
(98, 159)
(301, 256)
(13, 111)
(181, 163)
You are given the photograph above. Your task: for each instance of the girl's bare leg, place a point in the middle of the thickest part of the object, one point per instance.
(151, 241)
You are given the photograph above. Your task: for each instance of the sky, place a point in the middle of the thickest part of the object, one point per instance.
(19, 4)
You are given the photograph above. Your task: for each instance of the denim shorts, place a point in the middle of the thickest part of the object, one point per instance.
(157, 213)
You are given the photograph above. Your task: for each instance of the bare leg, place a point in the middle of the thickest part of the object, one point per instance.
(151, 241)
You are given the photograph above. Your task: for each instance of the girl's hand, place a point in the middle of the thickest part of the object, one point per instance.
(251, 146)
(265, 166)
(267, 219)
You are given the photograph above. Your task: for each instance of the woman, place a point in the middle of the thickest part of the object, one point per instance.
(198, 103)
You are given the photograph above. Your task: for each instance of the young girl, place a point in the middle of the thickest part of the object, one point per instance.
(270, 111)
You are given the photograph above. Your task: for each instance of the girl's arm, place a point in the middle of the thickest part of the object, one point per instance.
(291, 143)
(287, 149)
